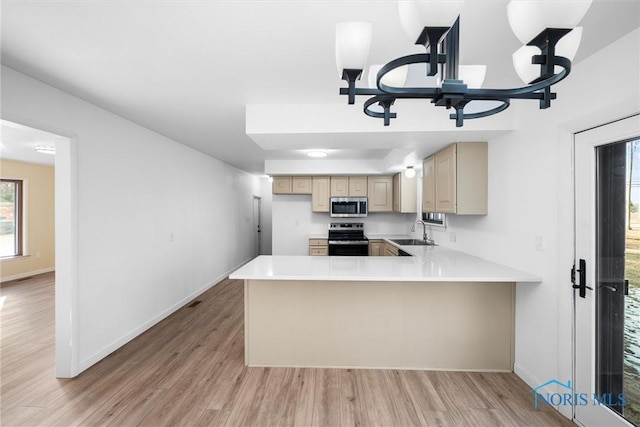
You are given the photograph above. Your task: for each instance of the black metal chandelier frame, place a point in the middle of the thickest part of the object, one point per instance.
(443, 45)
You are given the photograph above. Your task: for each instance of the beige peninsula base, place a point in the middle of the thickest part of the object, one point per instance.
(402, 325)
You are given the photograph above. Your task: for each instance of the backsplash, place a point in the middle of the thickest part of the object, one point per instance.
(293, 222)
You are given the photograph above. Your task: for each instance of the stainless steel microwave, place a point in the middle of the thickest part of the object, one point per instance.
(348, 207)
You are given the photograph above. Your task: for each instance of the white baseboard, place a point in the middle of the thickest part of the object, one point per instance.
(533, 382)
(526, 376)
(27, 274)
(107, 350)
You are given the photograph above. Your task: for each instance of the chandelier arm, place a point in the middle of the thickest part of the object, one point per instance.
(385, 102)
(505, 104)
(361, 91)
(526, 92)
(417, 58)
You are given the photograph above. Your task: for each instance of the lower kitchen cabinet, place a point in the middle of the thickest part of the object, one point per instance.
(318, 247)
(390, 250)
(376, 247)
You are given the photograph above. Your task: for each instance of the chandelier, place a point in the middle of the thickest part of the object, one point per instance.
(547, 29)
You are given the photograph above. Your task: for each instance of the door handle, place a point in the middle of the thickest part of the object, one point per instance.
(582, 279)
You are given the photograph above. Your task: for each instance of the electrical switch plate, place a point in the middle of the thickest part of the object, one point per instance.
(539, 244)
(452, 237)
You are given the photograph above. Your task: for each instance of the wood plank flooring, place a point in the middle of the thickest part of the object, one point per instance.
(189, 371)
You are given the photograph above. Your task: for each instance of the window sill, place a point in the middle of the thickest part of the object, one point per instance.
(13, 258)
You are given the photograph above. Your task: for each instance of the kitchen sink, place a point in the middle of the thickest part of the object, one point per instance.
(412, 242)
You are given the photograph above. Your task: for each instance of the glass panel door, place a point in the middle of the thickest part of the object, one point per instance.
(631, 357)
(604, 344)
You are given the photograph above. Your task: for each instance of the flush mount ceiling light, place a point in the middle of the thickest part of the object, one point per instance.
(317, 154)
(46, 149)
(435, 24)
(410, 172)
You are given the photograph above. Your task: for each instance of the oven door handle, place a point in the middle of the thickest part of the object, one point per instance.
(348, 242)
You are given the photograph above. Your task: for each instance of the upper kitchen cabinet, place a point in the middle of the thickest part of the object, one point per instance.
(459, 179)
(380, 193)
(405, 193)
(339, 186)
(357, 186)
(429, 184)
(281, 185)
(320, 194)
(301, 185)
(348, 186)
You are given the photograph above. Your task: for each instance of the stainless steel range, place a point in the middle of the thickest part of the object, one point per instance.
(347, 239)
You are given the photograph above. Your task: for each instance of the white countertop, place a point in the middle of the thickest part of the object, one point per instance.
(428, 264)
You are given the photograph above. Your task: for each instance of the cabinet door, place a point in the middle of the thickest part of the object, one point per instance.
(446, 180)
(339, 186)
(390, 250)
(301, 185)
(376, 248)
(405, 198)
(320, 194)
(318, 251)
(281, 185)
(396, 192)
(318, 242)
(380, 193)
(429, 185)
(358, 186)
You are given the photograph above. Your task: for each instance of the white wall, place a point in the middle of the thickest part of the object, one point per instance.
(293, 222)
(530, 194)
(266, 210)
(158, 223)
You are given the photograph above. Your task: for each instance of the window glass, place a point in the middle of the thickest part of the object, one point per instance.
(10, 218)
(433, 218)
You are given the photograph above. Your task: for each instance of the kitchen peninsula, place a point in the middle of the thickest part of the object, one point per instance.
(437, 309)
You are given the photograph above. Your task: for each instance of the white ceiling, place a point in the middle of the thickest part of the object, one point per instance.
(191, 70)
(19, 143)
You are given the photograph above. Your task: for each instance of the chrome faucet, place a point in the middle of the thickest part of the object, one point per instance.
(424, 233)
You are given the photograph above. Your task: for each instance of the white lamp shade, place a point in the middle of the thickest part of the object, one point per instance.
(567, 47)
(522, 63)
(473, 75)
(410, 172)
(569, 44)
(417, 14)
(394, 78)
(529, 17)
(353, 40)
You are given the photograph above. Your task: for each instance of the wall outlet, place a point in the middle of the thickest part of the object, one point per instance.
(539, 243)
(38, 254)
(452, 236)
(171, 236)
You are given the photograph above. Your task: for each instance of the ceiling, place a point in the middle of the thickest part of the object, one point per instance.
(249, 81)
(19, 143)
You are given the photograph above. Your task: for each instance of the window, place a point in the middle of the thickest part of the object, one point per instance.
(433, 218)
(10, 218)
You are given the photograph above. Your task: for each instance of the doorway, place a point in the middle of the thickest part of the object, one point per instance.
(607, 275)
(256, 233)
(65, 225)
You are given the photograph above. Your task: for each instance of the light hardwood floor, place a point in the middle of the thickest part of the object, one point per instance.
(189, 370)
